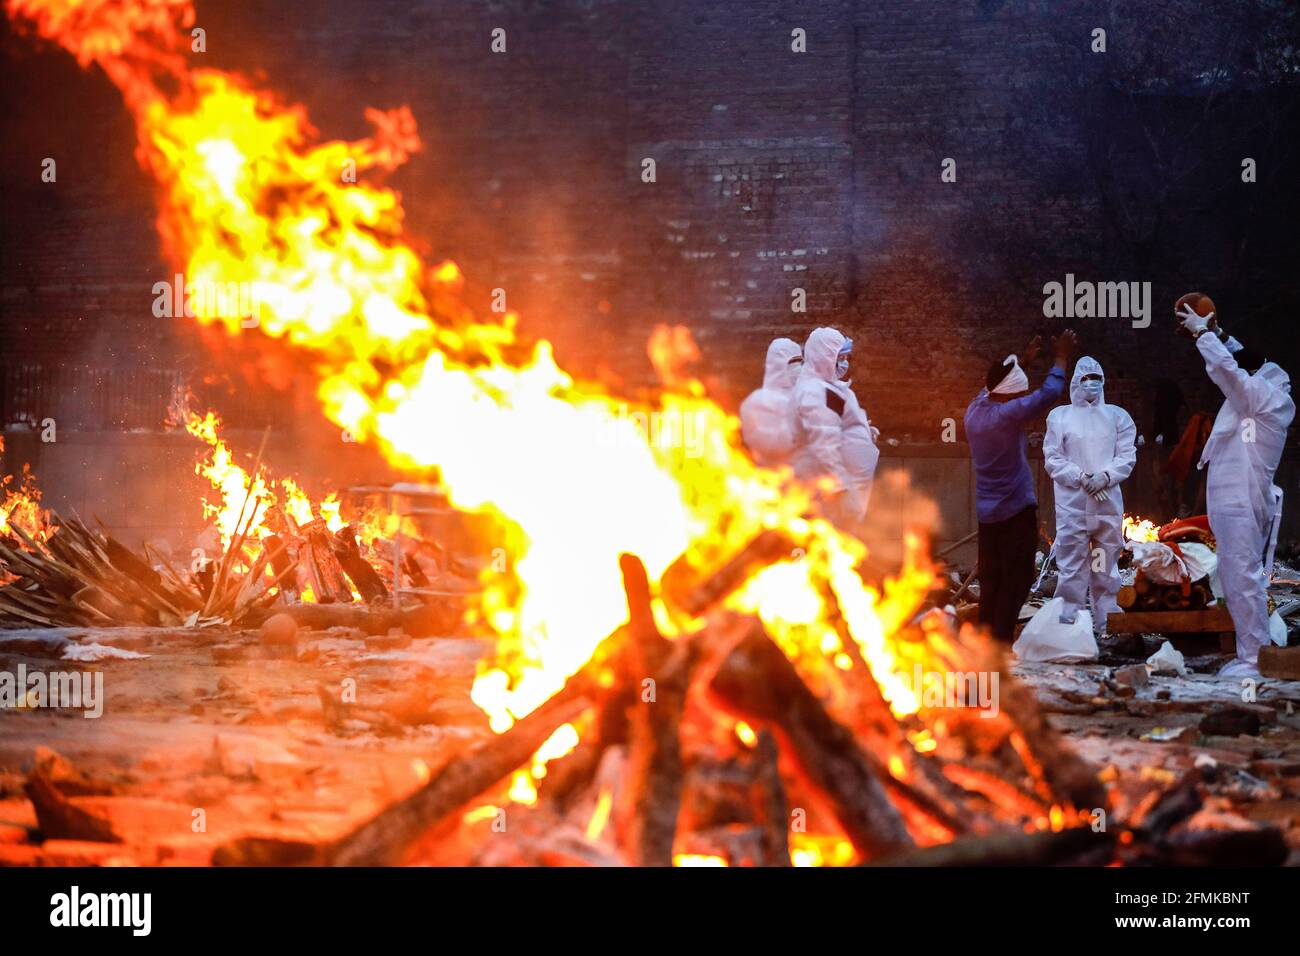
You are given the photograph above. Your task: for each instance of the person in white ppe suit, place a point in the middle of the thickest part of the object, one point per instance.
(1242, 453)
(1089, 449)
(767, 413)
(835, 439)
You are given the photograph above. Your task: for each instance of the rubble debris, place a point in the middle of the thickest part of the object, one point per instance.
(1134, 675)
(61, 818)
(1230, 722)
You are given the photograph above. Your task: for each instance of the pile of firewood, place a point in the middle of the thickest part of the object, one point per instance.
(664, 773)
(1145, 594)
(79, 577)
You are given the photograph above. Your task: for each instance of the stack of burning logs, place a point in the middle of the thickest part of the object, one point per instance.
(1148, 594)
(76, 576)
(660, 773)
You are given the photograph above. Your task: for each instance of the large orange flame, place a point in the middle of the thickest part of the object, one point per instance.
(250, 195)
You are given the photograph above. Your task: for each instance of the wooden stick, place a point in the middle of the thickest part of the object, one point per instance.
(680, 583)
(1007, 849)
(958, 543)
(965, 586)
(757, 682)
(385, 838)
(219, 584)
(1068, 775)
(646, 816)
(771, 808)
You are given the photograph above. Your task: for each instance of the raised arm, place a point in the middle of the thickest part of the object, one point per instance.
(1025, 410)
(1235, 383)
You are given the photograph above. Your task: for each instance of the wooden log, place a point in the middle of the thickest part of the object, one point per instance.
(147, 578)
(1261, 846)
(1212, 620)
(419, 580)
(277, 551)
(1280, 662)
(1163, 810)
(1007, 849)
(237, 542)
(771, 808)
(646, 815)
(384, 839)
(319, 552)
(60, 819)
(261, 594)
(681, 584)
(323, 616)
(365, 578)
(757, 682)
(967, 539)
(940, 802)
(1070, 777)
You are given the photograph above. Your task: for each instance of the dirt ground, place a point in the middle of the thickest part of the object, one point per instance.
(214, 735)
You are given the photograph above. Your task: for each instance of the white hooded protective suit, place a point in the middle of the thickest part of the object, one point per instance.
(1244, 505)
(832, 432)
(767, 415)
(1088, 437)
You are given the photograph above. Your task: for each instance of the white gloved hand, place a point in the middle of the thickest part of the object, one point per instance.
(1101, 495)
(1091, 483)
(875, 433)
(1193, 322)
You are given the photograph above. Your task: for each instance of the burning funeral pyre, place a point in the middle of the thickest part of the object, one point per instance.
(685, 654)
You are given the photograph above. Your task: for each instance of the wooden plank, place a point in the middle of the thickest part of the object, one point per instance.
(1212, 620)
(1280, 662)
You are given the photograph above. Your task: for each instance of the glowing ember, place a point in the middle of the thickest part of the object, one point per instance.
(600, 814)
(697, 859)
(807, 849)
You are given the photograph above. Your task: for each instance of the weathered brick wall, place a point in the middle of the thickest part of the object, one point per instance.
(775, 170)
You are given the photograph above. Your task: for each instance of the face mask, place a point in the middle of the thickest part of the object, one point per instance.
(842, 366)
(1091, 388)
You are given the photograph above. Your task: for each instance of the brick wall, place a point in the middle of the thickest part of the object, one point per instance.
(775, 170)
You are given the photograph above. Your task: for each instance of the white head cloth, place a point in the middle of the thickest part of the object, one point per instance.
(1016, 380)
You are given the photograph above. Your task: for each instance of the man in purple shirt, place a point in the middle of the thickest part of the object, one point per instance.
(1005, 502)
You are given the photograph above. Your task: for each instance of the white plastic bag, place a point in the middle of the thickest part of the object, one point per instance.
(1277, 629)
(1045, 638)
(1167, 660)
